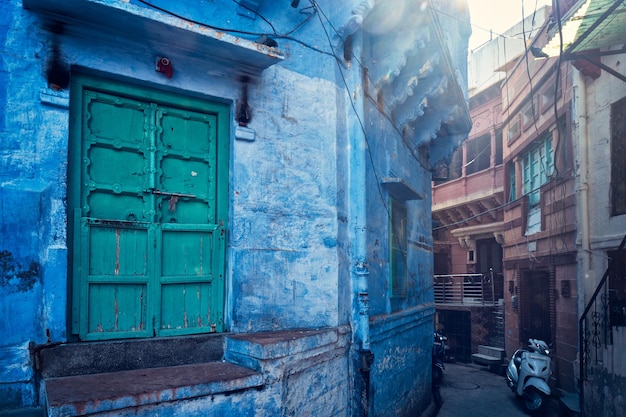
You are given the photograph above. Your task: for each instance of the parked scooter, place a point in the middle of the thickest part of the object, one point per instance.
(528, 374)
(439, 354)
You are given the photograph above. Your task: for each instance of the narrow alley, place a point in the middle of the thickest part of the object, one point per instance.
(471, 391)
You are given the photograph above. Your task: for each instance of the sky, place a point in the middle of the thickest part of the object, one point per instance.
(497, 15)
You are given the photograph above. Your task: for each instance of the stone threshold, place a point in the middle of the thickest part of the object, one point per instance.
(105, 392)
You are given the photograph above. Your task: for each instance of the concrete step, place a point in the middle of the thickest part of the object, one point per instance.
(72, 359)
(24, 412)
(569, 403)
(129, 392)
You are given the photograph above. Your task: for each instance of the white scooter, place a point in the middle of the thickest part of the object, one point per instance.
(528, 374)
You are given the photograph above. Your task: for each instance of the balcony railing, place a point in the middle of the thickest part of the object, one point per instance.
(468, 289)
(471, 187)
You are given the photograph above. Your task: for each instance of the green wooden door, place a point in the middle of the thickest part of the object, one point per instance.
(148, 192)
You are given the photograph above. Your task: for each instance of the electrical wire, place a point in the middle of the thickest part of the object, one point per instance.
(356, 113)
(530, 80)
(395, 234)
(502, 35)
(257, 14)
(385, 113)
(286, 35)
(482, 213)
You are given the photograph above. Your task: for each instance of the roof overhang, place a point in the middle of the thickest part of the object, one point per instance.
(155, 29)
(589, 25)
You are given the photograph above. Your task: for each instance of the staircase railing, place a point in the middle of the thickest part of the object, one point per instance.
(594, 327)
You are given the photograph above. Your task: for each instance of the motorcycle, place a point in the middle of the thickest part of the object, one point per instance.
(439, 354)
(528, 373)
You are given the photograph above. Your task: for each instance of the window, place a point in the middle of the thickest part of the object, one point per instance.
(398, 244)
(529, 115)
(455, 170)
(538, 165)
(498, 147)
(512, 182)
(448, 171)
(618, 157)
(514, 129)
(478, 154)
(617, 289)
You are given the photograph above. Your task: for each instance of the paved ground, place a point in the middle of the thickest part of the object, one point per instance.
(471, 391)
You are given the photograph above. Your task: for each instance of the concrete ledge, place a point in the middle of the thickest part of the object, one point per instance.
(485, 360)
(281, 353)
(98, 393)
(382, 326)
(73, 359)
(488, 355)
(569, 404)
(24, 412)
(273, 345)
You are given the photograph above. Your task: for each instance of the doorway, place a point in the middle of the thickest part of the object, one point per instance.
(535, 306)
(148, 211)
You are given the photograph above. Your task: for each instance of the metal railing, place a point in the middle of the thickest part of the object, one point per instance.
(594, 327)
(468, 289)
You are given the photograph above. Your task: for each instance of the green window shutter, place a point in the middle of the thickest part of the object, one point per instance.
(398, 244)
(538, 165)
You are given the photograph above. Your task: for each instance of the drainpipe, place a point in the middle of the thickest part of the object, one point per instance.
(358, 149)
(580, 103)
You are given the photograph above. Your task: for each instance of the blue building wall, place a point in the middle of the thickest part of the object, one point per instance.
(300, 210)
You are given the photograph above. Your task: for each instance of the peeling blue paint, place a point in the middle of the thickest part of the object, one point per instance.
(330, 242)
(15, 277)
(309, 225)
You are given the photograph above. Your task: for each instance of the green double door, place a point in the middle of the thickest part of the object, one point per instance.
(148, 199)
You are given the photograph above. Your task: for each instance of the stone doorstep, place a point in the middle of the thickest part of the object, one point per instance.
(24, 412)
(485, 359)
(570, 403)
(89, 394)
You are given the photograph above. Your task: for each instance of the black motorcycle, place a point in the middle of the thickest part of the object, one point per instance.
(439, 355)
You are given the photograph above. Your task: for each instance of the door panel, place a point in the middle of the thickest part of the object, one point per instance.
(535, 313)
(126, 312)
(116, 284)
(189, 269)
(149, 223)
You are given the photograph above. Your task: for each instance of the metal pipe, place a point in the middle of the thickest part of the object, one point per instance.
(358, 222)
(580, 108)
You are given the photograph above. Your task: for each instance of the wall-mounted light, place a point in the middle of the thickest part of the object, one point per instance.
(164, 66)
(295, 3)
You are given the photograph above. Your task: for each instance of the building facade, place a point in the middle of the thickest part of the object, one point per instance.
(250, 176)
(539, 250)
(593, 43)
(510, 213)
